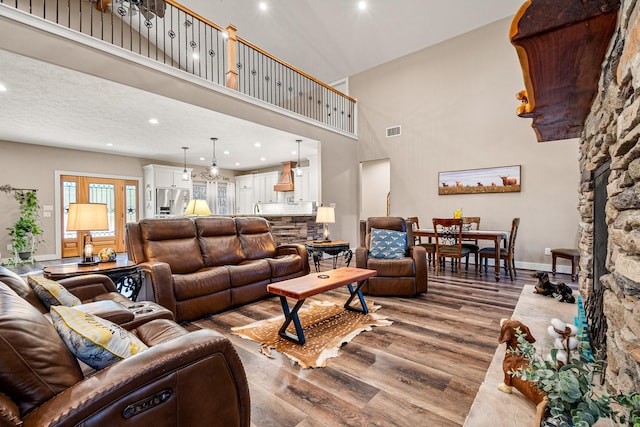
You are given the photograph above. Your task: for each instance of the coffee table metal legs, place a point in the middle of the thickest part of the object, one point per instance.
(291, 315)
(363, 305)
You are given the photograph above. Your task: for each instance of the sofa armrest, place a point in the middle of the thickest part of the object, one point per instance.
(88, 286)
(362, 253)
(162, 281)
(419, 255)
(9, 413)
(295, 249)
(189, 380)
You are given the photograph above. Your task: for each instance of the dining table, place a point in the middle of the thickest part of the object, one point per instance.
(498, 237)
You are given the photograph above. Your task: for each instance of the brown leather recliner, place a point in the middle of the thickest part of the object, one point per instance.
(99, 296)
(396, 277)
(183, 378)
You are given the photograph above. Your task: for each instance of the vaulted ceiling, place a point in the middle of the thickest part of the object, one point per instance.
(328, 39)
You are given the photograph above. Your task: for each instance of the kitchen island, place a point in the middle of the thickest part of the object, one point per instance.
(291, 228)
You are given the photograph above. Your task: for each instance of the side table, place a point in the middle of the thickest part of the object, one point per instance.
(334, 248)
(125, 274)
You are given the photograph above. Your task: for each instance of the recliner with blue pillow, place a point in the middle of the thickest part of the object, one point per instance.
(401, 272)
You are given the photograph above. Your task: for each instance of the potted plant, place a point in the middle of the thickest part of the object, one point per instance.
(573, 398)
(26, 231)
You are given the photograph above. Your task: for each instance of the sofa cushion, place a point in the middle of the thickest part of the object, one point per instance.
(21, 288)
(173, 241)
(52, 293)
(388, 244)
(35, 364)
(219, 241)
(255, 237)
(204, 282)
(392, 267)
(249, 272)
(285, 265)
(96, 341)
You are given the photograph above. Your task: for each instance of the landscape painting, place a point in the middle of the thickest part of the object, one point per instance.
(504, 179)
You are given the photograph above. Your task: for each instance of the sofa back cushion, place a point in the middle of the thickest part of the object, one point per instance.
(255, 237)
(21, 288)
(219, 242)
(173, 241)
(35, 364)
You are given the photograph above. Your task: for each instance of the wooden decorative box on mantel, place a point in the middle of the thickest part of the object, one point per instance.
(561, 45)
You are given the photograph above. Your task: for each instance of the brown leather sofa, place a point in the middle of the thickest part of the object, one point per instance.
(209, 264)
(405, 276)
(183, 378)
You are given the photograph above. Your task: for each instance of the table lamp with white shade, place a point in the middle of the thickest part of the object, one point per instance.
(85, 218)
(197, 207)
(326, 215)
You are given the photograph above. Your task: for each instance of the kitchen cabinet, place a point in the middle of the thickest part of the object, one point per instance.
(255, 188)
(161, 177)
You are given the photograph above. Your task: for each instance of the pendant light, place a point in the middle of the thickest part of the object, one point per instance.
(214, 165)
(185, 173)
(298, 168)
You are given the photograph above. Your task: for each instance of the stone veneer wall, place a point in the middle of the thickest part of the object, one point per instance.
(611, 132)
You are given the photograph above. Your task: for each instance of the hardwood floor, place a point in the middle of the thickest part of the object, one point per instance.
(424, 370)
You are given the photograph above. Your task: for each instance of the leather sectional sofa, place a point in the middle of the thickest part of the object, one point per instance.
(207, 265)
(183, 378)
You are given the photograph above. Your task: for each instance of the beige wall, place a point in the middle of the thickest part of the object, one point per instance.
(456, 104)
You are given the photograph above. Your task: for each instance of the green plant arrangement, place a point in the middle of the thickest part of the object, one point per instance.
(574, 400)
(26, 231)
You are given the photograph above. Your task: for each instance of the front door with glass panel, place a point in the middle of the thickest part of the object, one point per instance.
(121, 198)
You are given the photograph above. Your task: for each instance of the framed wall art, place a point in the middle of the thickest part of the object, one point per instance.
(503, 179)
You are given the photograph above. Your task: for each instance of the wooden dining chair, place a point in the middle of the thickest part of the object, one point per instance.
(507, 255)
(471, 223)
(429, 247)
(448, 233)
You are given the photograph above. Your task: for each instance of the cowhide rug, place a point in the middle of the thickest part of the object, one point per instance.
(327, 326)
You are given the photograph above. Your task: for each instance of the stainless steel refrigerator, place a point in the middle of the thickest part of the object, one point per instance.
(171, 202)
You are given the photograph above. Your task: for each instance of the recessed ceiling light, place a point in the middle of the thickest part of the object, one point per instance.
(294, 152)
(153, 121)
(202, 158)
(257, 144)
(262, 159)
(362, 5)
(3, 88)
(237, 163)
(225, 152)
(263, 5)
(109, 144)
(195, 56)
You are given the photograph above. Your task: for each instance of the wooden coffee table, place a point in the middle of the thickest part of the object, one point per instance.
(312, 284)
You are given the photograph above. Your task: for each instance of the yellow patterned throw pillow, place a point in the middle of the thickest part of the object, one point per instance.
(95, 341)
(52, 293)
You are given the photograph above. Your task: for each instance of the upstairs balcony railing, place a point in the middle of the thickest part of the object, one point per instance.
(167, 32)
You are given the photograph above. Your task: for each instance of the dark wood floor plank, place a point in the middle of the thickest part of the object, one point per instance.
(423, 370)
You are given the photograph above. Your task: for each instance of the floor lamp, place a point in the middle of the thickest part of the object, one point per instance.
(85, 218)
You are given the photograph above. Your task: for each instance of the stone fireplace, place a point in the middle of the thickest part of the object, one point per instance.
(610, 206)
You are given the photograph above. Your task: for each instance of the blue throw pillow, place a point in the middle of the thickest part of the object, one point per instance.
(387, 244)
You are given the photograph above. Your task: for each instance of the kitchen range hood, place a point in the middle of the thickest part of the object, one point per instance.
(285, 183)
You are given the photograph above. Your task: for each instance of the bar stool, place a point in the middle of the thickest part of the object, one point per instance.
(572, 254)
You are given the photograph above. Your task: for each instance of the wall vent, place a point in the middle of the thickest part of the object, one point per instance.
(393, 131)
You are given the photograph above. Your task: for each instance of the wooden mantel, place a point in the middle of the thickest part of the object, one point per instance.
(561, 45)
